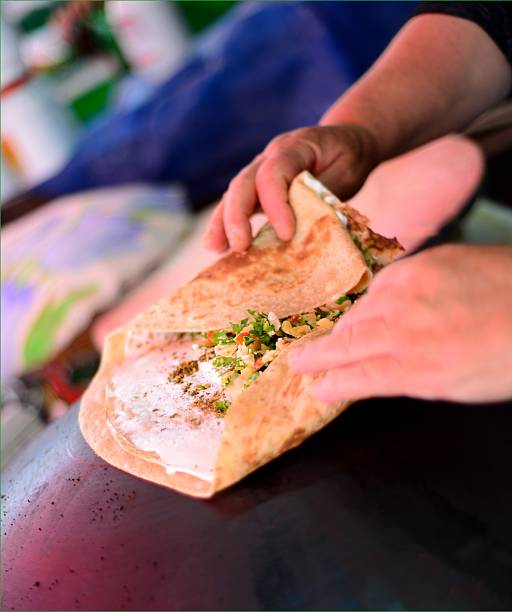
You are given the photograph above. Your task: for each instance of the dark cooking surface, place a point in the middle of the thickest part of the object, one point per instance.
(397, 505)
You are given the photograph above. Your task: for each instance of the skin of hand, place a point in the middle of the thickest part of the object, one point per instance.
(437, 75)
(436, 325)
(399, 196)
(341, 156)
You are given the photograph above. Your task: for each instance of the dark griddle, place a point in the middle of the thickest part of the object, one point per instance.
(397, 505)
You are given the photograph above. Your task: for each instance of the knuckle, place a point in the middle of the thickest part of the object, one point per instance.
(264, 173)
(245, 173)
(367, 374)
(232, 185)
(231, 213)
(281, 143)
(349, 339)
(236, 182)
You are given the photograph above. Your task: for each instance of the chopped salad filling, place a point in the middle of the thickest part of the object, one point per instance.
(241, 352)
(366, 252)
(246, 349)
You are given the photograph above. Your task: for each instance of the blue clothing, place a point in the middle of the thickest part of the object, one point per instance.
(264, 69)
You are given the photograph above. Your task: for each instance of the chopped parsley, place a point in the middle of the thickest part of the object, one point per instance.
(221, 337)
(232, 362)
(321, 314)
(251, 379)
(368, 257)
(262, 328)
(258, 341)
(222, 406)
(237, 327)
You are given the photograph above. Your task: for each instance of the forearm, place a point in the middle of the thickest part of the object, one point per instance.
(438, 74)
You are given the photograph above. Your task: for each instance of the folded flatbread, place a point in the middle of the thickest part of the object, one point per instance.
(195, 392)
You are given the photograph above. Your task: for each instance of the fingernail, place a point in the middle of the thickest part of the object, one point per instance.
(237, 240)
(237, 247)
(284, 232)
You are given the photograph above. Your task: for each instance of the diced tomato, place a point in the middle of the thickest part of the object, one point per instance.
(294, 318)
(258, 362)
(239, 338)
(210, 340)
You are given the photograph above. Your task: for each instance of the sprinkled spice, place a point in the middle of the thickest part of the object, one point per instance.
(212, 403)
(184, 369)
(243, 351)
(207, 355)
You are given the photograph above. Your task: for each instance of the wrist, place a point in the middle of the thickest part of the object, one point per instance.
(363, 141)
(372, 140)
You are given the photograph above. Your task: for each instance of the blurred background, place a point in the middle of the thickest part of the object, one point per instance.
(121, 123)
(64, 64)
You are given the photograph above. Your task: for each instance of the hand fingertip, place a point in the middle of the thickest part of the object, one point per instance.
(212, 243)
(238, 245)
(239, 240)
(285, 231)
(218, 248)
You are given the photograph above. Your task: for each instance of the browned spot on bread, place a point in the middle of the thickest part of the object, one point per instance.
(259, 265)
(381, 243)
(296, 438)
(293, 386)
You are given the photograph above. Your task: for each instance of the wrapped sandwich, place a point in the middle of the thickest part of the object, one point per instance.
(196, 392)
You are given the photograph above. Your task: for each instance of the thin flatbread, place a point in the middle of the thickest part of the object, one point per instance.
(133, 415)
(319, 263)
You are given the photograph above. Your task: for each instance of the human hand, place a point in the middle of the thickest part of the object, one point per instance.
(340, 156)
(437, 325)
(414, 195)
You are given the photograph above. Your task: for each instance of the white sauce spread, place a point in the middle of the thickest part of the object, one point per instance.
(316, 186)
(162, 416)
(342, 218)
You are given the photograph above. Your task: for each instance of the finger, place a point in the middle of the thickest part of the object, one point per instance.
(382, 375)
(240, 201)
(214, 237)
(273, 180)
(356, 341)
